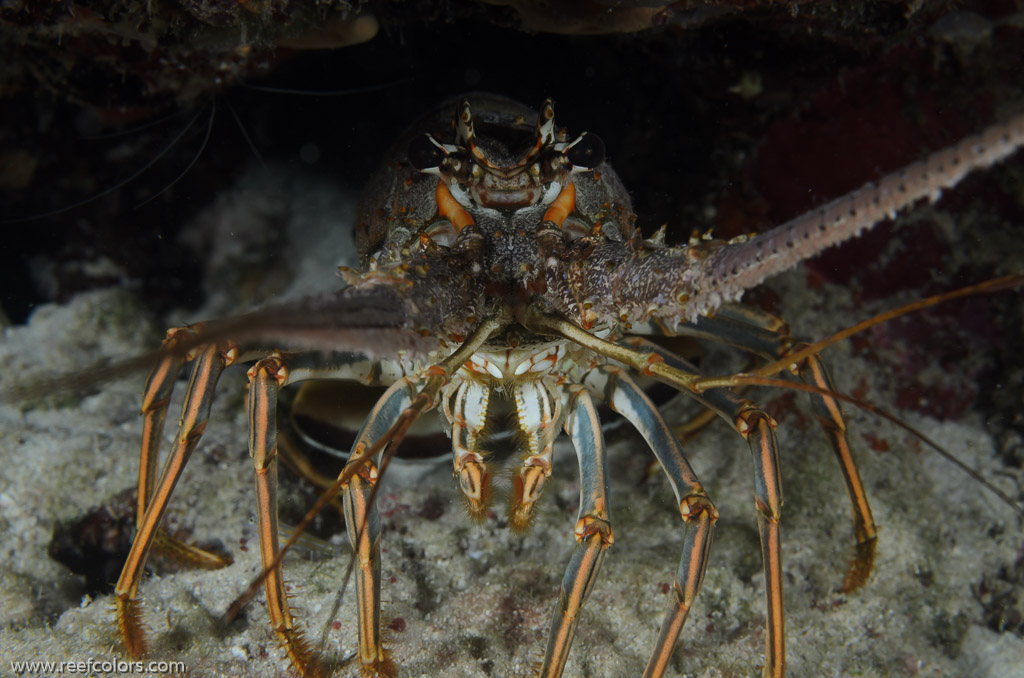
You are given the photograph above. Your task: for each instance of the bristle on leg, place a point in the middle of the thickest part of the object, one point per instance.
(189, 555)
(130, 626)
(861, 566)
(382, 668)
(301, 654)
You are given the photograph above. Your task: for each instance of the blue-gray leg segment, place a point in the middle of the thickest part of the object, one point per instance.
(593, 531)
(699, 515)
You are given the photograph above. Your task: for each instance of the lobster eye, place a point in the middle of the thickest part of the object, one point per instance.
(425, 153)
(587, 153)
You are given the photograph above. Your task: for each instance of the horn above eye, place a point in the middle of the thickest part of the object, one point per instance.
(425, 153)
(587, 153)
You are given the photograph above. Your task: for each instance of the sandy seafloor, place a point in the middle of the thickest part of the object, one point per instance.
(475, 600)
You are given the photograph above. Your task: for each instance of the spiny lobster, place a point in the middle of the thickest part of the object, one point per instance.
(502, 265)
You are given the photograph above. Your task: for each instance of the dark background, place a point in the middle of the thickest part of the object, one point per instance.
(845, 94)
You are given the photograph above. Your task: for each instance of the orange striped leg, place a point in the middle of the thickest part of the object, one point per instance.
(699, 517)
(266, 378)
(759, 430)
(830, 416)
(195, 414)
(767, 336)
(155, 399)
